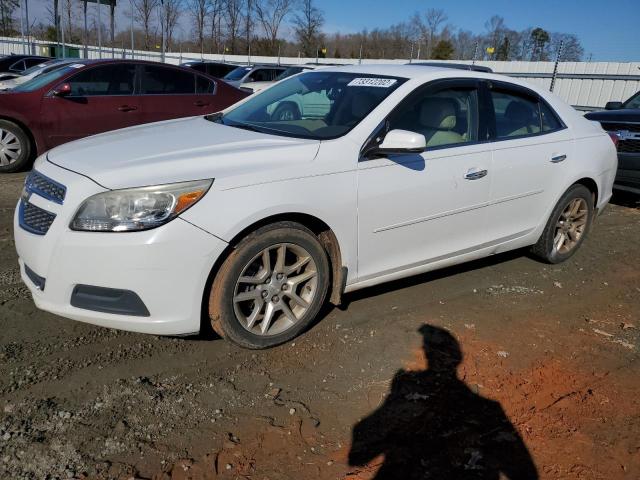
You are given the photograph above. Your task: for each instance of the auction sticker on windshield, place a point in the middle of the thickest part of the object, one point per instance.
(372, 82)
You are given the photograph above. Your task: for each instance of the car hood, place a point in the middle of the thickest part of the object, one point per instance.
(623, 115)
(178, 150)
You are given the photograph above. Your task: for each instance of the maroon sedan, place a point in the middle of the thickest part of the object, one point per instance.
(94, 96)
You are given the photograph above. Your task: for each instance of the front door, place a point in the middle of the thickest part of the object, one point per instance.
(415, 209)
(101, 99)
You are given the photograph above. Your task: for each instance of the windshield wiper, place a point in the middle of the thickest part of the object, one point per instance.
(244, 126)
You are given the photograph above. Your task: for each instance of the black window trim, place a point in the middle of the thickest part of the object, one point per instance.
(487, 86)
(440, 84)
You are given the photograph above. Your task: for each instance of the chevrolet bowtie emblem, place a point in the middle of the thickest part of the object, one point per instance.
(627, 135)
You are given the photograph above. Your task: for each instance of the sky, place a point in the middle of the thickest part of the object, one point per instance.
(609, 31)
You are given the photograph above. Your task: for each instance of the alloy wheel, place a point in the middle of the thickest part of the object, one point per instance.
(571, 225)
(275, 289)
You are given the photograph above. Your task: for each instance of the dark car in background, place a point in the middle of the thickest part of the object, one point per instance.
(622, 121)
(94, 96)
(215, 69)
(12, 65)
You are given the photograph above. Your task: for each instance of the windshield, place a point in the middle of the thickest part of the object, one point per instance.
(237, 74)
(45, 78)
(633, 102)
(316, 105)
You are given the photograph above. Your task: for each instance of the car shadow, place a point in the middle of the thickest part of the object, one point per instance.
(432, 425)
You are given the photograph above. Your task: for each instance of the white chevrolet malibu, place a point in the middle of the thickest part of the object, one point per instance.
(251, 220)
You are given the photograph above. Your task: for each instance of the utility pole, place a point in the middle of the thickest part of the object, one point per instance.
(131, 1)
(99, 32)
(62, 26)
(86, 34)
(26, 18)
(24, 45)
(162, 32)
(475, 53)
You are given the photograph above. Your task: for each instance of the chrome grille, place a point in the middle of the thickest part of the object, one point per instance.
(34, 219)
(45, 187)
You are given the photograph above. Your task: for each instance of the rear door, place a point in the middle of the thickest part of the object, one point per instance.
(102, 98)
(531, 151)
(171, 93)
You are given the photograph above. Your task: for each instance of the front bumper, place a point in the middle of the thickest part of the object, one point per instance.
(167, 267)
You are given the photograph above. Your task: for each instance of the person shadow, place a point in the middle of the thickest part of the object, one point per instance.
(432, 425)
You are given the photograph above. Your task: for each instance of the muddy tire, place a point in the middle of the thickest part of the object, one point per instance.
(271, 287)
(567, 226)
(15, 148)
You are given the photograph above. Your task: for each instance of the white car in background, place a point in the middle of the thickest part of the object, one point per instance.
(256, 221)
(256, 87)
(28, 74)
(250, 74)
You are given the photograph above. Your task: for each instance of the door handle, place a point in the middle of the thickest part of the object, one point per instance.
(558, 158)
(200, 103)
(126, 108)
(474, 174)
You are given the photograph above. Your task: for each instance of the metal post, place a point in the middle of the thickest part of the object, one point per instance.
(162, 32)
(86, 34)
(249, 55)
(411, 55)
(360, 56)
(99, 31)
(24, 45)
(26, 20)
(317, 55)
(62, 26)
(475, 54)
(132, 46)
(278, 53)
(555, 67)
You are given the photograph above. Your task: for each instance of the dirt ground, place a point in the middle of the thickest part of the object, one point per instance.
(504, 367)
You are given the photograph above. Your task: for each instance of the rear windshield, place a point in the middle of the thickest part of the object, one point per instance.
(237, 74)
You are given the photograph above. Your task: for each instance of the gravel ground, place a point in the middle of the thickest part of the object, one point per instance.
(504, 365)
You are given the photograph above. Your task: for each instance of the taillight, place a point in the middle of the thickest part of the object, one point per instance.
(614, 138)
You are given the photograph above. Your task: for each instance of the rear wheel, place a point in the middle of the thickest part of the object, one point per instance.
(567, 226)
(271, 287)
(15, 147)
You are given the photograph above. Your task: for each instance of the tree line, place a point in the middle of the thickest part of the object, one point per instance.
(283, 27)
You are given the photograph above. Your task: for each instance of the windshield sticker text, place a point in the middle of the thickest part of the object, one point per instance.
(372, 82)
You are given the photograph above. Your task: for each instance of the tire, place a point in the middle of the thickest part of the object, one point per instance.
(574, 227)
(13, 140)
(286, 111)
(244, 293)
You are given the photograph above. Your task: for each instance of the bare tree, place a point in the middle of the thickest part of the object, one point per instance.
(171, 11)
(307, 25)
(434, 18)
(7, 8)
(495, 29)
(233, 17)
(216, 24)
(144, 10)
(200, 11)
(270, 14)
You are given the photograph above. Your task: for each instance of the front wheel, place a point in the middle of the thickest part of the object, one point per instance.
(567, 226)
(15, 148)
(271, 287)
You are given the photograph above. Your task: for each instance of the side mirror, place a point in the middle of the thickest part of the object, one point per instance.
(62, 90)
(613, 106)
(397, 142)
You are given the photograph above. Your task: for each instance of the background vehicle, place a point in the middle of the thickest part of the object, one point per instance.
(257, 220)
(94, 96)
(16, 64)
(214, 69)
(622, 119)
(258, 86)
(29, 73)
(257, 73)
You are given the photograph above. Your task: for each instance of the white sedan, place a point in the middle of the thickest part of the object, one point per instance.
(250, 223)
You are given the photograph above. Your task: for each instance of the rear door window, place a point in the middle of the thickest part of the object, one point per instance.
(18, 66)
(104, 80)
(204, 85)
(516, 115)
(158, 80)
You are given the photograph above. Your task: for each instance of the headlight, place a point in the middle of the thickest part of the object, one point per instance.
(136, 209)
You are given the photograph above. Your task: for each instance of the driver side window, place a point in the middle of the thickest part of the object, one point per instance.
(445, 117)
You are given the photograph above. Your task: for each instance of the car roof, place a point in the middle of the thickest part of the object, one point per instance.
(460, 66)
